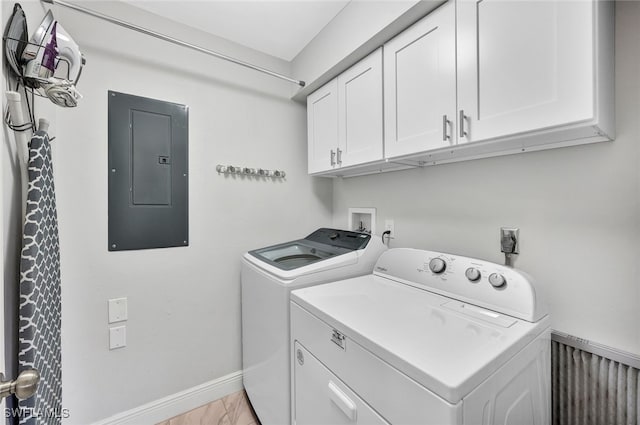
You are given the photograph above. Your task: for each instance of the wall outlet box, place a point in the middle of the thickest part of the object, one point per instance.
(117, 337)
(117, 310)
(362, 220)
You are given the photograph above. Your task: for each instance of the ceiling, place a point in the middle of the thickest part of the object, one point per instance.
(279, 28)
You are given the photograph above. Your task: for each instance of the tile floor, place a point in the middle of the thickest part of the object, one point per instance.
(233, 409)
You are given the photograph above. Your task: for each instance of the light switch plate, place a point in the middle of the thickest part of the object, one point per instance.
(117, 337)
(118, 310)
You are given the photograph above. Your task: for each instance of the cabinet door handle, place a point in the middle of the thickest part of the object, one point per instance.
(445, 123)
(333, 158)
(463, 133)
(339, 156)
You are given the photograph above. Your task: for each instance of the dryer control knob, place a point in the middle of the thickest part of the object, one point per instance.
(437, 265)
(497, 280)
(473, 274)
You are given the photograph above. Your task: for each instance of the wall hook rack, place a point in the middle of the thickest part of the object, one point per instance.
(247, 171)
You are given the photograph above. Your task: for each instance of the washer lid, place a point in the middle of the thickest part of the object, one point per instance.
(446, 345)
(296, 254)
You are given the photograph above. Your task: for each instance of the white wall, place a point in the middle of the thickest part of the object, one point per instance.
(578, 210)
(184, 303)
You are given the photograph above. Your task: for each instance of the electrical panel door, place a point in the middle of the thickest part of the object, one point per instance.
(148, 173)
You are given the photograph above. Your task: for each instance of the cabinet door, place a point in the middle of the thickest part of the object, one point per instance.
(524, 65)
(322, 127)
(321, 398)
(360, 112)
(420, 85)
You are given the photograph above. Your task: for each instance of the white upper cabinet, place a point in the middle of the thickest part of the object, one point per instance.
(473, 79)
(344, 118)
(360, 112)
(322, 127)
(527, 66)
(420, 85)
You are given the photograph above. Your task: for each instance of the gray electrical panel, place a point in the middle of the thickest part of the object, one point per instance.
(148, 173)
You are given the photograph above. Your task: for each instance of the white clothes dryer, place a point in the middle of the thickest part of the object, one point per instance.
(268, 276)
(428, 338)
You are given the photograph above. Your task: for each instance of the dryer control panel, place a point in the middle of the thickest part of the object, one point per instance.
(482, 283)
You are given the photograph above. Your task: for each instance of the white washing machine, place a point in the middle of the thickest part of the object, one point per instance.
(268, 276)
(428, 338)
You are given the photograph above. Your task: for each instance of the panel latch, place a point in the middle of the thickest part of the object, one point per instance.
(338, 338)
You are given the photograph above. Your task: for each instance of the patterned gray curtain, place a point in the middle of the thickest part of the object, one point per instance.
(40, 318)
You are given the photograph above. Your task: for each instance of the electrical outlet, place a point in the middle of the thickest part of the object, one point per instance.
(510, 240)
(389, 225)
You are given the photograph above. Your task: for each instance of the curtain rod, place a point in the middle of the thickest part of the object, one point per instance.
(172, 40)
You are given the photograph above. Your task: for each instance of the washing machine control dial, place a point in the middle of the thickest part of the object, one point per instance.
(497, 280)
(437, 265)
(473, 274)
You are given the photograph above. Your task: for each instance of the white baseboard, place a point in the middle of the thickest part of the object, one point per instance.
(178, 403)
